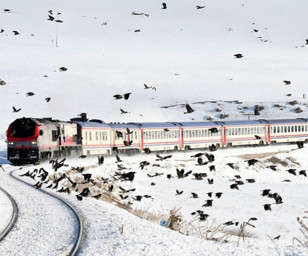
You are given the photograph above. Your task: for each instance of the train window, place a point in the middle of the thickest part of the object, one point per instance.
(104, 135)
(193, 133)
(90, 136)
(275, 129)
(155, 135)
(292, 128)
(96, 136)
(285, 129)
(299, 128)
(205, 133)
(86, 135)
(295, 128)
(305, 128)
(54, 135)
(278, 129)
(135, 135)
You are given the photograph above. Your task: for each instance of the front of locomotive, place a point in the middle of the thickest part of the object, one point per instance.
(22, 136)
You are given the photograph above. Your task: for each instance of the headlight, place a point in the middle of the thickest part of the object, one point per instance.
(11, 143)
(33, 142)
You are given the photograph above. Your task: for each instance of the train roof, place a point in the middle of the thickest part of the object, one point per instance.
(159, 125)
(202, 124)
(124, 125)
(289, 121)
(246, 122)
(87, 124)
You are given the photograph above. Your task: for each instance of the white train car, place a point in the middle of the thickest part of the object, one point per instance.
(288, 130)
(125, 137)
(252, 132)
(160, 136)
(201, 134)
(94, 136)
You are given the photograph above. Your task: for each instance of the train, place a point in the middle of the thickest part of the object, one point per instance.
(30, 140)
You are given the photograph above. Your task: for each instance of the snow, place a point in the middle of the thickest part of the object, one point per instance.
(188, 55)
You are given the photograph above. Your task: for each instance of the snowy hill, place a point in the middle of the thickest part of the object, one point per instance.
(186, 53)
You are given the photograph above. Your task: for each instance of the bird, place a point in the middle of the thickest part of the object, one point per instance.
(127, 143)
(199, 7)
(303, 172)
(212, 168)
(238, 55)
(210, 157)
(126, 95)
(87, 176)
(213, 130)
(189, 109)
(79, 198)
(234, 186)
(83, 115)
(143, 164)
(83, 156)
(119, 134)
(292, 171)
(118, 96)
(62, 69)
(137, 198)
(29, 93)
(265, 192)
(267, 207)
(162, 158)
(210, 194)
(1, 30)
(273, 167)
(210, 181)
(16, 110)
(137, 30)
(218, 194)
(118, 159)
(229, 223)
(194, 195)
(179, 192)
(287, 82)
(15, 32)
(250, 180)
(231, 165)
(252, 161)
(276, 238)
(47, 99)
(51, 18)
(100, 160)
(209, 203)
(257, 137)
(164, 6)
(201, 162)
(147, 87)
(59, 21)
(123, 111)
(197, 155)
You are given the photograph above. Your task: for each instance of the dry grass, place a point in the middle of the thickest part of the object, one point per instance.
(304, 230)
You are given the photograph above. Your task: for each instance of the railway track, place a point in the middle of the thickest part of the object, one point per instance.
(79, 227)
(13, 217)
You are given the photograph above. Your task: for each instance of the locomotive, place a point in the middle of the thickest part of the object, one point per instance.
(32, 139)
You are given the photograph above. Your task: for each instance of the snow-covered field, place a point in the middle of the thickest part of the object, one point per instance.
(187, 54)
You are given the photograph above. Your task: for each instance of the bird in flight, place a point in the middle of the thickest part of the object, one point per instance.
(16, 110)
(189, 109)
(164, 6)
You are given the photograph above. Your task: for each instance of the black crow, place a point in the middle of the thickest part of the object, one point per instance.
(128, 131)
(62, 69)
(118, 96)
(118, 159)
(200, 161)
(257, 137)
(234, 186)
(147, 150)
(127, 143)
(231, 165)
(169, 176)
(276, 238)
(123, 111)
(100, 160)
(48, 99)
(194, 195)
(287, 82)
(218, 194)
(203, 216)
(238, 55)
(213, 130)
(29, 93)
(200, 7)
(83, 156)
(161, 158)
(1, 30)
(250, 180)
(189, 109)
(265, 192)
(210, 194)
(16, 32)
(292, 171)
(210, 181)
(273, 167)
(59, 21)
(303, 172)
(79, 198)
(119, 134)
(267, 207)
(164, 6)
(209, 203)
(229, 223)
(147, 87)
(212, 168)
(252, 161)
(210, 157)
(179, 192)
(15, 110)
(126, 96)
(198, 155)
(137, 198)
(50, 18)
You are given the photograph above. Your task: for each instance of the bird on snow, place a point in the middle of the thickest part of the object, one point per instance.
(194, 195)
(189, 109)
(267, 207)
(231, 165)
(218, 194)
(287, 82)
(179, 192)
(62, 69)
(303, 172)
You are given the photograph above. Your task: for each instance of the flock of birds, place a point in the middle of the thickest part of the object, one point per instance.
(118, 184)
